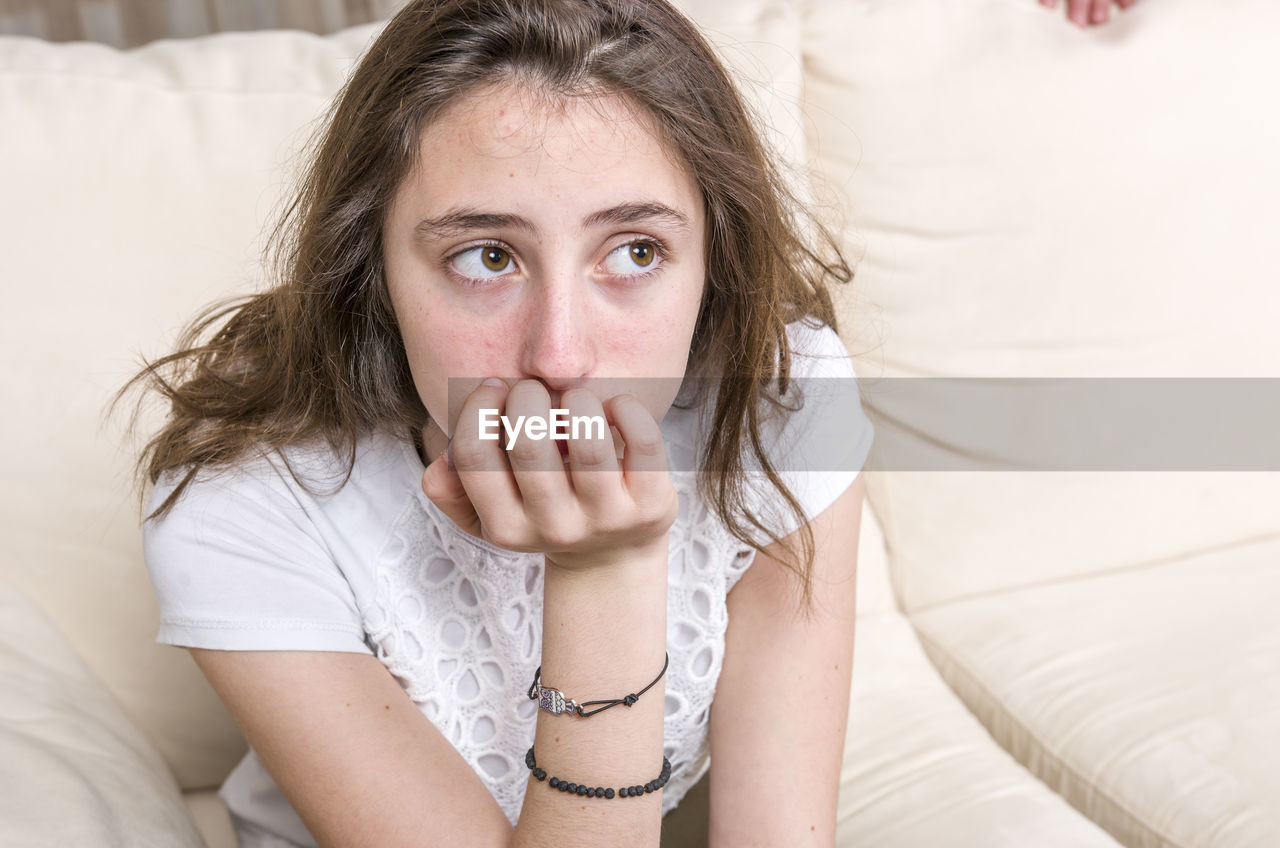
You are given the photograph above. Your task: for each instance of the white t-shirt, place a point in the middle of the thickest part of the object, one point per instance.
(250, 560)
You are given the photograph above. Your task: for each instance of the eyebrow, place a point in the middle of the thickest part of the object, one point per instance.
(460, 221)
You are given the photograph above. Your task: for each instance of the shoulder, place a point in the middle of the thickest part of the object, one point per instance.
(275, 553)
(308, 500)
(817, 437)
(817, 351)
(306, 476)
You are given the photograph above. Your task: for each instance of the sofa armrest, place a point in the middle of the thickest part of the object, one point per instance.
(73, 769)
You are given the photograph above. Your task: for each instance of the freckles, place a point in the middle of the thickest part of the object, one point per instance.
(639, 339)
(482, 346)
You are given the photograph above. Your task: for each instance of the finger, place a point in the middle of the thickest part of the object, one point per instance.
(1125, 4)
(1100, 12)
(535, 461)
(644, 461)
(593, 459)
(481, 463)
(1078, 11)
(442, 485)
(1049, 4)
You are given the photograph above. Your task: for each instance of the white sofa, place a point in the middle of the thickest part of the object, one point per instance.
(1072, 658)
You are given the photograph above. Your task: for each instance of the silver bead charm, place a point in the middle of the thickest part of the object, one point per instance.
(551, 700)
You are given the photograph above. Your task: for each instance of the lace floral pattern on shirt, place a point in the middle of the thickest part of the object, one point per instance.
(458, 622)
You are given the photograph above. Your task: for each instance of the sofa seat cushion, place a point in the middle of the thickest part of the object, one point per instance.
(1149, 698)
(921, 770)
(73, 769)
(211, 817)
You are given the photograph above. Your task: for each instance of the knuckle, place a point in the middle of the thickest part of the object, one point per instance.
(509, 538)
(661, 513)
(646, 444)
(558, 537)
(466, 453)
(525, 451)
(590, 455)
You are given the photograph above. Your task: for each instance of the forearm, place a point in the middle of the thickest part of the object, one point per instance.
(603, 637)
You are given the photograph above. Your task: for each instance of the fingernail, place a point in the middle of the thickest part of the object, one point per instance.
(492, 381)
(448, 462)
(1100, 16)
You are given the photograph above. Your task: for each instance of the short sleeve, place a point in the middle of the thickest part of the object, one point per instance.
(819, 448)
(238, 564)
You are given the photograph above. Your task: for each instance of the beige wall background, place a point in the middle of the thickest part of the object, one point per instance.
(129, 23)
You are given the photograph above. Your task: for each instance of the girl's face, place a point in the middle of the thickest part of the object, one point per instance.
(547, 239)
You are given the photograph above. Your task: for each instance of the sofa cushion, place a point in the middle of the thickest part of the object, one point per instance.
(1148, 698)
(1030, 199)
(921, 770)
(211, 817)
(138, 186)
(73, 769)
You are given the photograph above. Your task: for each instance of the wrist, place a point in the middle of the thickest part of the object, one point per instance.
(609, 566)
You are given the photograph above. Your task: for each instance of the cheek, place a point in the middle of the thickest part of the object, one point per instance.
(650, 345)
(441, 345)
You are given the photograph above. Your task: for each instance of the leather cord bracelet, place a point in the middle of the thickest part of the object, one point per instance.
(554, 701)
(599, 791)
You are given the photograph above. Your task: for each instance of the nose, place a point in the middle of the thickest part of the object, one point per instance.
(558, 345)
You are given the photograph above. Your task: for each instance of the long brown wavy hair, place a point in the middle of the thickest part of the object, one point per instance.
(319, 355)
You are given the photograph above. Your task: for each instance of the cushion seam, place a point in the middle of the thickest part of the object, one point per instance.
(935, 648)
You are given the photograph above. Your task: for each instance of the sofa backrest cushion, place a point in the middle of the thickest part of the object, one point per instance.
(138, 187)
(1029, 199)
(73, 769)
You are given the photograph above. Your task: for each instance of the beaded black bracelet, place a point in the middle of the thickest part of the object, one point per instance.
(554, 701)
(599, 791)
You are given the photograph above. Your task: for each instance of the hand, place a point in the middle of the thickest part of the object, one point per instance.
(1088, 12)
(583, 512)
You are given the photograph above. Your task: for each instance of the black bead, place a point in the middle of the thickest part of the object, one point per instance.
(582, 790)
(599, 792)
(608, 793)
(539, 774)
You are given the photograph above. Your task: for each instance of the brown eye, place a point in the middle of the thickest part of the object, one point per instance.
(483, 263)
(634, 259)
(495, 258)
(642, 253)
